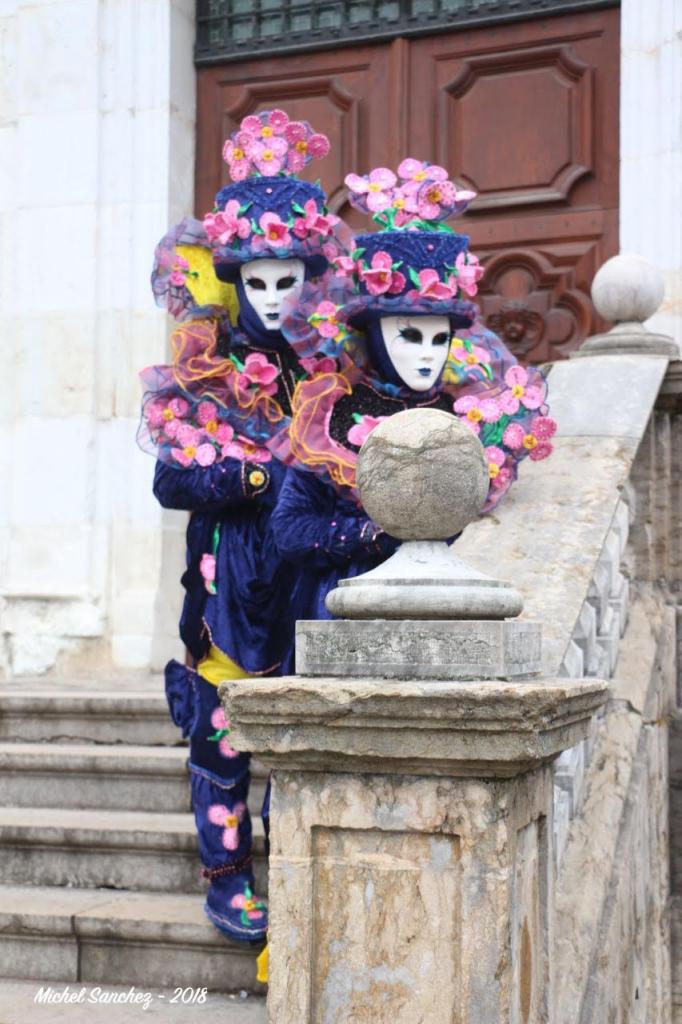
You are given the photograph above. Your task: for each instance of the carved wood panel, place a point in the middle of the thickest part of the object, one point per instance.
(526, 114)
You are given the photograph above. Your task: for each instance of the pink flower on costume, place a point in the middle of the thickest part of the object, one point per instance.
(469, 272)
(244, 450)
(344, 266)
(224, 226)
(436, 198)
(275, 230)
(359, 433)
(224, 433)
(252, 910)
(376, 187)
(472, 409)
(380, 278)
(207, 570)
(236, 155)
(324, 319)
(415, 172)
(178, 407)
(153, 413)
(205, 454)
(206, 412)
(258, 370)
(431, 286)
(521, 393)
(314, 222)
(499, 474)
(185, 456)
(312, 365)
(219, 814)
(222, 726)
(265, 126)
(269, 156)
(470, 357)
(179, 266)
(171, 428)
(188, 435)
(536, 441)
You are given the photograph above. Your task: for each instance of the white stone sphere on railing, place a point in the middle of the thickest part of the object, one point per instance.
(627, 289)
(422, 475)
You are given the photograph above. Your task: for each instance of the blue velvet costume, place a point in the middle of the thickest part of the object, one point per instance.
(249, 618)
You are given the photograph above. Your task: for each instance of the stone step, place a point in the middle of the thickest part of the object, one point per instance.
(86, 716)
(93, 849)
(115, 1004)
(105, 777)
(99, 776)
(151, 940)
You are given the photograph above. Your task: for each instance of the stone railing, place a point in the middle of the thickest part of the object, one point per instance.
(533, 812)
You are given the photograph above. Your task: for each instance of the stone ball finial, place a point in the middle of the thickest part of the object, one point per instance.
(627, 289)
(422, 475)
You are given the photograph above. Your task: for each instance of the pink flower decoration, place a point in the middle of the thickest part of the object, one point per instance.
(248, 906)
(177, 277)
(153, 413)
(276, 232)
(503, 479)
(470, 358)
(205, 455)
(542, 450)
(344, 266)
(314, 222)
(224, 433)
(436, 198)
(245, 451)
(543, 427)
(278, 121)
(188, 435)
(236, 156)
(431, 286)
(259, 370)
(171, 428)
(415, 172)
(324, 319)
(207, 568)
(520, 393)
(219, 814)
(376, 187)
(380, 277)
(268, 156)
(295, 131)
(496, 460)
(361, 431)
(469, 272)
(224, 226)
(318, 146)
(312, 365)
(206, 411)
(185, 456)
(179, 407)
(513, 436)
(222, 724)
(472, 409)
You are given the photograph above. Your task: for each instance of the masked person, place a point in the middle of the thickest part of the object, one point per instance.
(206, 418)
(399, 321)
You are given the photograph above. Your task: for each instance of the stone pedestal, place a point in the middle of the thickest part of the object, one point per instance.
(411, 867)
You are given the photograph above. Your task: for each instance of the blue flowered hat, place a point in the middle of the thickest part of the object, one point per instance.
(267, 212)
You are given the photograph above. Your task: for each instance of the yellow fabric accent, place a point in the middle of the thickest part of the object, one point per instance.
(207, 289)
(262, 965)
(217, 668)
(256, 478)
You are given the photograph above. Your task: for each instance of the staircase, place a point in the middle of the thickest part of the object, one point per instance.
(99, 875)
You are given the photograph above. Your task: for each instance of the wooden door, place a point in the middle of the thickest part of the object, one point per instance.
(526, 114)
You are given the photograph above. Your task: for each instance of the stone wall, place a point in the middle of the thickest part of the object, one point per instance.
(97, 142)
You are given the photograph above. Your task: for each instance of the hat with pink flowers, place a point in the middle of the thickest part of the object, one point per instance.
(267, 212)
(415, 263)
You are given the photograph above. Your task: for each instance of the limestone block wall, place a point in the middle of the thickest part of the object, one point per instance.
(97, 141)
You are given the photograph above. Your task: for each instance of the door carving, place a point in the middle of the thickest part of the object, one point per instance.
(525, 113)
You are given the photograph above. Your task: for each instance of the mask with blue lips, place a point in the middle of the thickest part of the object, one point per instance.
(410, 350)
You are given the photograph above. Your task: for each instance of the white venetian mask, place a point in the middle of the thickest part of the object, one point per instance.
(267, 283)
(418, 347)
